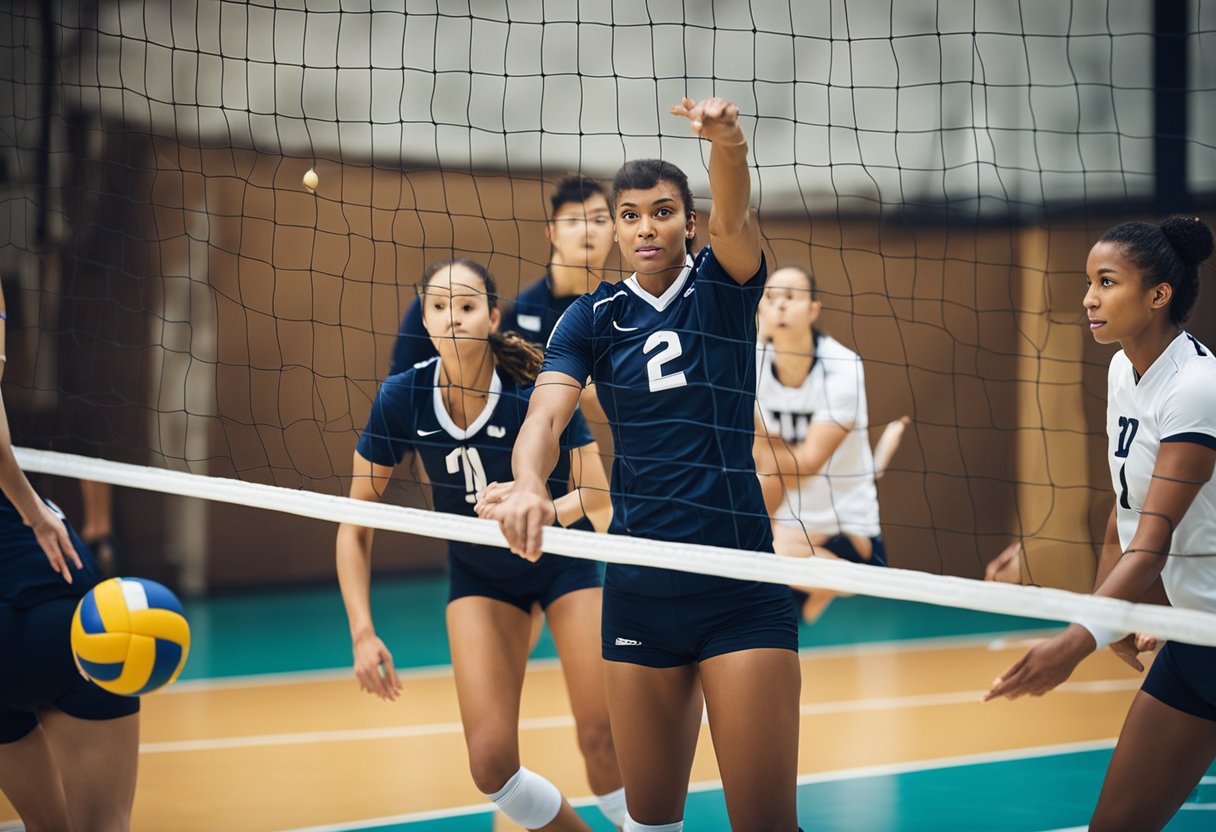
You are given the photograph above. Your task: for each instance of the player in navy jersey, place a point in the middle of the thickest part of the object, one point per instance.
(1161, 425)
(579, 231)
(459, 414)
(68, 749)
(672, 353)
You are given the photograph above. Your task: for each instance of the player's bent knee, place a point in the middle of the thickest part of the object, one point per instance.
(595, 738)
(528, 799)
(491, 767)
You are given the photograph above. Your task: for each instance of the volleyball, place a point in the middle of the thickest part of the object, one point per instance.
(311, 180)
(130, 636)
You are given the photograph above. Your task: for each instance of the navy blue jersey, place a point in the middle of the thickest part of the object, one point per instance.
(536, 311)
(409, 415)
(26, 577)
(413, 344)
(676, 376)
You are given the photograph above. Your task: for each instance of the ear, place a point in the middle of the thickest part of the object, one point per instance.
(816, 308)
(549, 231)
(690, 227)
(495, 319)
(1162, 294)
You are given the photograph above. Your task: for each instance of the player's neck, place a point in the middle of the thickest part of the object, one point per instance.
(793, 358)
(572, 280)
(1146, 347)
(659, 282)
(465, 385)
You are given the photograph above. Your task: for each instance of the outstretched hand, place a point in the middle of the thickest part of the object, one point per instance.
(53, 537)
(714, 119)
(1045, 666)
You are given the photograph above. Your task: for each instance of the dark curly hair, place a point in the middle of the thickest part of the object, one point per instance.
(1167, 253)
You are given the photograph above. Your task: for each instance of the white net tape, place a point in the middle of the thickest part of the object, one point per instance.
(1189, 626)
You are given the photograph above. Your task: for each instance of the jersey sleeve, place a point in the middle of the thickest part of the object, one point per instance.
(569, 347)
(385, 440)
(843, 381)
(413, 344)
(731, 308)
(1188, 413)
(577, 434)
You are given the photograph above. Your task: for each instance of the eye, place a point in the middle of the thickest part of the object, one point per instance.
(1106, 281)
(629, 215)
(664, 212)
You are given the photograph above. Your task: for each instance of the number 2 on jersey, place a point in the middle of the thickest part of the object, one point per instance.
(671, 349)
(474, 472)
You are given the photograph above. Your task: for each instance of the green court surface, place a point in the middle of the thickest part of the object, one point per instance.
(1026, 790)
(305, 629)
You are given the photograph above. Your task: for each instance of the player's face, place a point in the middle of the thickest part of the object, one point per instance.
(581, 233)
(652, 228)
(786, 308)
(1117, 303)
(456, 311)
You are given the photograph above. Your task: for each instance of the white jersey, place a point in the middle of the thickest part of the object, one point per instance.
(842, 497)
(1174, 401)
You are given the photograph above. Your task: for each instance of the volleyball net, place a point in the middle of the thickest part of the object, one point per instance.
(179, 301)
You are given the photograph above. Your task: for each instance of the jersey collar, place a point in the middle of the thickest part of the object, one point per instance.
(445, 421)
(663, 301)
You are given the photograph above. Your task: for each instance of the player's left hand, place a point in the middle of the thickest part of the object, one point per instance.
(53, 537)
(1130, 647)
(714, 119)
(1045, 666)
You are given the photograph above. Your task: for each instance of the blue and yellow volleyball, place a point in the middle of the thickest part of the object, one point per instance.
(130, 636)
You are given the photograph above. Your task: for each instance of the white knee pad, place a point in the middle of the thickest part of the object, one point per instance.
(528, 799)
(632, 825)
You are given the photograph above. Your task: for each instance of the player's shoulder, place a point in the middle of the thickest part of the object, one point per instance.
(829, 348)
(421, 374)
(535, 298)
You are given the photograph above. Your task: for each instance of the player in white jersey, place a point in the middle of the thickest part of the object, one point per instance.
(1161, 422)
(812, 446)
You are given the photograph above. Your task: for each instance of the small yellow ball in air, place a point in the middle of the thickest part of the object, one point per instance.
(311, 180)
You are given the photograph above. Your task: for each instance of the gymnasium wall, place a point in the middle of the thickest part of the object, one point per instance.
(218, 318)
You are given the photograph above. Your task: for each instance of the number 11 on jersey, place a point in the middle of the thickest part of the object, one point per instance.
(468, 460)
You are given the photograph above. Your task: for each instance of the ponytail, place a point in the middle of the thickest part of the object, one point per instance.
(520, 359)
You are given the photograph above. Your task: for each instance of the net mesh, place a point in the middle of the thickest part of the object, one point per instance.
(178, 299)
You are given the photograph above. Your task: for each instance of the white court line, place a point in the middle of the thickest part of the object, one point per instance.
(844, 706)
(990, 641)
(712, 785)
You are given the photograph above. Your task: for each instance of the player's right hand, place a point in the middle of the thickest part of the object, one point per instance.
(53, 537)
(374, 669)
(522, 515)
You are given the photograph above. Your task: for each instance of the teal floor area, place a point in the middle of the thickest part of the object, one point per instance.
(305, 630)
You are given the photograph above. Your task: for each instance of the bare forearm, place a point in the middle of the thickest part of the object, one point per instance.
(730, 185)
(536, 452)
(16, 487)
(354, 563)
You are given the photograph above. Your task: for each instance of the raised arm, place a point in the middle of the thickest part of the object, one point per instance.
(734, 233)
(354, 561)
(523, 513)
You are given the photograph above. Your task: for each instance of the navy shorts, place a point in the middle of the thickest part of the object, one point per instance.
(672, 632)
(843, 548)
(36, 654)
(545, 581)
(1184, 677)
